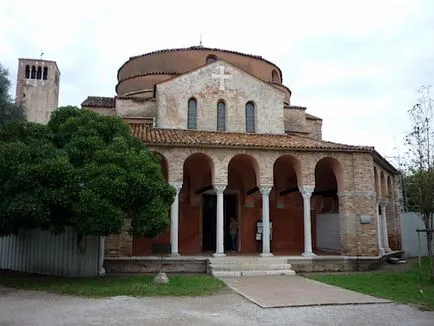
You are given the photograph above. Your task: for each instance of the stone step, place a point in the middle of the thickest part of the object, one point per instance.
(252, 273)
(256, 260)
(235, 267)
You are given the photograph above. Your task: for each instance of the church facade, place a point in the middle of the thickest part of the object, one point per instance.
(233, 145)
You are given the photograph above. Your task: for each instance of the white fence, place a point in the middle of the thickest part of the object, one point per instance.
(42, 252)
(409, 223)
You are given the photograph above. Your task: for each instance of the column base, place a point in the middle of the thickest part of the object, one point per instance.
(216, 254)
(381, 252)
(387, 249)
(101, 272)
(269, 254)
(175, 254)
(308, 254)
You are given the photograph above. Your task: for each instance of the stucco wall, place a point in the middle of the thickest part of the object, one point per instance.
(295, 120)
(136, 107)
(172, 98)
(314, 128)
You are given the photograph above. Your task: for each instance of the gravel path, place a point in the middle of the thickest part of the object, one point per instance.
(227, 308)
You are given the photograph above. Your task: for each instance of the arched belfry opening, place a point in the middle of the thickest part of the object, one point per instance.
(325, 205)
(286, 207)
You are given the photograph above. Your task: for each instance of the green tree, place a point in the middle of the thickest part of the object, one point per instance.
(83, 170)
(419, 184)
(8, 109)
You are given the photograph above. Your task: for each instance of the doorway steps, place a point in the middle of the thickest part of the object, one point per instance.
(229, 266)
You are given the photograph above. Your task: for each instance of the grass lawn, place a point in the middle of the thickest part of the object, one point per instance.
(398, 286)
(107, 286)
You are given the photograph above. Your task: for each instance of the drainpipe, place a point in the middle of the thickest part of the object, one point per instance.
(101, 270)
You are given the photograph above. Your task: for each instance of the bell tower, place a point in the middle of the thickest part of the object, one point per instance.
(38, 88)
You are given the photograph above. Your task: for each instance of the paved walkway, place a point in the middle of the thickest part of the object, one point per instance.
(28, 308)
(294, 291)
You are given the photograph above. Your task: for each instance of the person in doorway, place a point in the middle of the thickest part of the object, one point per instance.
(233, 232)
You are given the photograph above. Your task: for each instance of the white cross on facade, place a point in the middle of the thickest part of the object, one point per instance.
(222, 77)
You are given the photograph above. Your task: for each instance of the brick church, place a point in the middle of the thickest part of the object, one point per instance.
(233, 145)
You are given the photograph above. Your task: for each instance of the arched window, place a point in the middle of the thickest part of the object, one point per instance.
(27, 71)
(44, 77)
(250, 117)
(211, 58)
(192, 114)
(33, 75)
(39, 73)
(221, 116)
(275, 76)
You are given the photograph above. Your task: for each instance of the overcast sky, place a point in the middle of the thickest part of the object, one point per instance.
(354, 64)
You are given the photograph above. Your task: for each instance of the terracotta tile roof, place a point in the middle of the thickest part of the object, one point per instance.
(294, 107)
(202, 48)
(312, 117)
(279, 84)
(99, 102)
(153, 73)
(194, 138)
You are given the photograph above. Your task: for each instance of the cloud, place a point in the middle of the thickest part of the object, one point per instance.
(355, 64)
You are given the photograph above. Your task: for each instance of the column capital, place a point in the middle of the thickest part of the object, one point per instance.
(177, 185)
(383, 203)
(307, 190)
(219, 188)
(265, 190)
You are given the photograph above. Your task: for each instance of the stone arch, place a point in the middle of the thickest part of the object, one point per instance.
(246, 164)
(198, 178)
(390, 191)
(200, 167)
(288, 164)
(244, 182)
(377, 188)
(322, 173)
(383, 186)
(286, 206)
(326, 220)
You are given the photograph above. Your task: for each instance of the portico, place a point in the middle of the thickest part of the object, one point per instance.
(294, 191)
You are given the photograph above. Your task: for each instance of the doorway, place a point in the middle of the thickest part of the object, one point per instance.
(209, 220)
(230, 210)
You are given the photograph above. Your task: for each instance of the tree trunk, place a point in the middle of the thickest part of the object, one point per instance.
(429, 236)
(430, 256)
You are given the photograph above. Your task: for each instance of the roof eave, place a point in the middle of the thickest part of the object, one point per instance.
(380, 160)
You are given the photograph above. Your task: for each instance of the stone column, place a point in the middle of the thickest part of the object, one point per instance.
(386, 246)
(101, 270)
(379, 236)
(219, 189)
(174, 219)
(265, 191)
(306, 192)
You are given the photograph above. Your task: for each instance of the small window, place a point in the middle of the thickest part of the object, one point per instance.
(192, 114)
(39, 73)
(221, 116)
(275, 76)
(45, 76)
(33, 75)
(211, 58)
(250, 117)
(27, 71)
